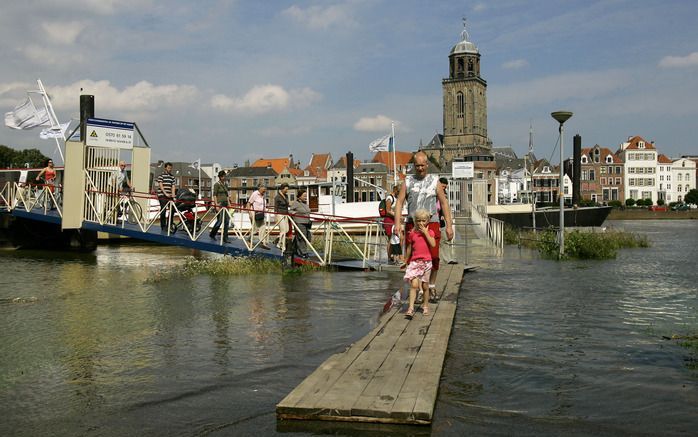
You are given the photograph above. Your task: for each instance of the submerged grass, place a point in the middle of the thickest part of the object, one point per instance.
(578, 244)
(690, 343)
(226, 266)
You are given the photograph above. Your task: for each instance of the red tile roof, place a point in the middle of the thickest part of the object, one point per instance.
(278, 164)
(401, 158)
(634, 143)
(663, 159)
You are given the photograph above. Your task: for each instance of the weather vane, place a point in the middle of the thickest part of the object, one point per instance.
(464, 34)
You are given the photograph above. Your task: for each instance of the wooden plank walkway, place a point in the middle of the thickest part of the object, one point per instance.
(389, 376)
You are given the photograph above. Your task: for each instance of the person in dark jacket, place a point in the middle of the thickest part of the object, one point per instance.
(301, 216)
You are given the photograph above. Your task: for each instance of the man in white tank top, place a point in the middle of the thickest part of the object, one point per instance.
(421, 191)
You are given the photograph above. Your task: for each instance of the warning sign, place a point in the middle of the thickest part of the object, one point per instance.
(109, 133)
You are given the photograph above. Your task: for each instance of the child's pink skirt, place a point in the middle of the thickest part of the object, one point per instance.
(418, 268)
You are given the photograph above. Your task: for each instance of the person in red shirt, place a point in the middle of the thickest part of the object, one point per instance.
(419, 241)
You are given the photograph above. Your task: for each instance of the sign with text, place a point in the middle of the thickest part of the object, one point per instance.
(109, 133)
(463, 169)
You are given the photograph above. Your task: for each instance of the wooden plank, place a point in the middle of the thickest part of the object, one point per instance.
(390, 376)
(340, 398)
(379, 395)
(418, 396)
(331, 369)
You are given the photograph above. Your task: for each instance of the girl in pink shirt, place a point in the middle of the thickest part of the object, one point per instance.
(418, 256)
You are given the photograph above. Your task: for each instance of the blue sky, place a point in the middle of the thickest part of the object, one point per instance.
(229, 81)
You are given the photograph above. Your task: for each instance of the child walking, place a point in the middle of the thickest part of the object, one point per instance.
(418, 241)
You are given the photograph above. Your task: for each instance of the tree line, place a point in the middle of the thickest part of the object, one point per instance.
(11, 158)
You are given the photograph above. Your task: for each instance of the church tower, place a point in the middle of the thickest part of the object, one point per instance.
(464, 102)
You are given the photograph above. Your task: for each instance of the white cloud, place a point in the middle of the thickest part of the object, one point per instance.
(319, 17)
(479, 7)
(679, 61)
(102, 7)
(550, 89)
(379, 123)
(43, 55)
(515, 64)
(63, 32)
(141, 96)
(266, 98)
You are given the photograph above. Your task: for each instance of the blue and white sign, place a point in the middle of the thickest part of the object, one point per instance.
(463, 169)
(109, 133)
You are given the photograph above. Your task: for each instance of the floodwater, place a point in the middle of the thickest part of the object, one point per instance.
(89, 346)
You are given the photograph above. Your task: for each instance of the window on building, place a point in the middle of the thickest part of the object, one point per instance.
(460, 105)
(592, 175)
(618, 170)
(584, 159)
(617, 181)
(603, 181)
(678, 188)
(641, 145)
(602, 170)
(609, 159)
(679, 177)
(585, 175)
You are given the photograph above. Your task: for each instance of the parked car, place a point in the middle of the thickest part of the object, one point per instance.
(681, 207)
(658, 208)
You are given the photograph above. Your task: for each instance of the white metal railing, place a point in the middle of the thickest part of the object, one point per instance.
(495, 232)
(37, 198)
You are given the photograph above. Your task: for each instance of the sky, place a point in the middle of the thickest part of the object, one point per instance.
(234, 80)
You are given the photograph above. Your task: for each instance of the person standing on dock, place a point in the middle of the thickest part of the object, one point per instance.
(222, 195)
(421, 191)
(256, 206)
(388, 216)
(49, 175)
(166, 184)
(281, 205)
(301, 216)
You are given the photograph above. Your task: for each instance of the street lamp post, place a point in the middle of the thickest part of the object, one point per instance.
(561, 117)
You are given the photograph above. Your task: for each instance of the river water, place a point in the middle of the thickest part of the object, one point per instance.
(90, 346)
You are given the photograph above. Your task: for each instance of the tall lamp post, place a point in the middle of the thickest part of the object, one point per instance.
(561, 117)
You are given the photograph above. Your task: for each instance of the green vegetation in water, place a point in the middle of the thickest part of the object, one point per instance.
(578, 244)
(226, 266)
(690, 342)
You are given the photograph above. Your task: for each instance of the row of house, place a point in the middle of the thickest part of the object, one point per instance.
(636, 170)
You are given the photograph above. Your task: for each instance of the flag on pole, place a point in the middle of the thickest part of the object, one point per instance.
(196, 164)
(383, 144)
(54, 132)
(26, 116)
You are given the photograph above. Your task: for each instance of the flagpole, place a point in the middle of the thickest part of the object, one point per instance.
(52, 117)
(392, 126)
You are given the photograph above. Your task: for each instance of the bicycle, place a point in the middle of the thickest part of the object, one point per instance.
(130, 210)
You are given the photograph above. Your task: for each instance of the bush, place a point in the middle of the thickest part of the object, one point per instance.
(691, 197)
(660, 202)
(588, 245)
(630, 202)
(615, 203)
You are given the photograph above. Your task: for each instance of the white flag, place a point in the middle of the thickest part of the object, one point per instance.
(26, 116)
(54, 132)
(382, 144)
(196, 164)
